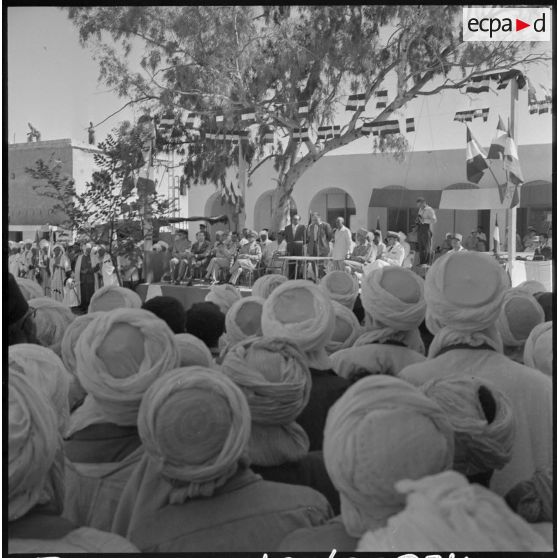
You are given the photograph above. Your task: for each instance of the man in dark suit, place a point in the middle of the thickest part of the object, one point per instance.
(295, 236)
(318, 234)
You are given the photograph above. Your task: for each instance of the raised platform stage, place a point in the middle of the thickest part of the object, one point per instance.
(186, 295)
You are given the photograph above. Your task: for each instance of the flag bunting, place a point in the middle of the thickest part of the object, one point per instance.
(356, 101)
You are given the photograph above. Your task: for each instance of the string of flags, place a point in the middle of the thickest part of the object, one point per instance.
(469, 115)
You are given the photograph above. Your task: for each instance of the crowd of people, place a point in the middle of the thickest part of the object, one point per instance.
(371, 409)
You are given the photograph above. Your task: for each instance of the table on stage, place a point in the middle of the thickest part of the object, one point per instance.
(304, 260)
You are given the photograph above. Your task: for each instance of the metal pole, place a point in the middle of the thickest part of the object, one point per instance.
(512, 211)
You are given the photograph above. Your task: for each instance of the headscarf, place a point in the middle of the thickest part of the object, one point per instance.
(119, 355)
(533, 499)
(481, 445)
(393, 298)
(52, 318)
(539, 351)
(464, 290)
(223, 296)
(110, 297)
(275, 378)
(547, 302)
(35, 458)
(17, 305)
(266, 284)
(445, 512)
(519, 314)
(346, 331)
(194, 424)
(48, 375)
(29, 289)
(193, 351)
(341, 287)
(379, 431)
(244, 319)
(300, 311)
(71, 336)
(531, 287)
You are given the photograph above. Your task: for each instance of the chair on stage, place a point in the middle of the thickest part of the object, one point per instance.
(276, 265)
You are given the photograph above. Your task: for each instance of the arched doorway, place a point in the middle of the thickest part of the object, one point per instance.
(263, 210)
(331, 203)
(214, 207)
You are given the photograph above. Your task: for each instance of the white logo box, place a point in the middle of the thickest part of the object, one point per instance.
(486, 23)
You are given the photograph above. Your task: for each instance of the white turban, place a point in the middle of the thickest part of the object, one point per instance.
(444, 512)
(119, 355)
(379, 431)
(301, 311)
(539, 351)
(275, 378)
(29, 289)
(244, 319)
(52, 318)
(71, 335)
(48, 375)
(111, 297)
(341, 287)
(393, 298)
(35, 458)
(481, 444)
(531, 287)
(195, 425)
(193, 351)
(266, 284)
(464, 290)
(223, 296)
(519, 314)
(347, 328)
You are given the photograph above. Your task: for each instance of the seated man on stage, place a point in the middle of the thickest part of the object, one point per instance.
(249, 256)
(181, 253)
(393, 255)
(199, 256)
(222, 254)
(363, 253)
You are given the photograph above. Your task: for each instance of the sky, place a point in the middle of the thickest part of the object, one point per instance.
(52, 83)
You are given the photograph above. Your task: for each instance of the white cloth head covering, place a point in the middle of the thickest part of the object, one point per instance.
(223, 296)
(464, 290)
(69, 341)
(301, 311)
(445, 512)
(347, 329)
(379, 431)
(539, 351)
(119, 355)
(393, 298)
(519, 314)
(48, 375)
(244, 319)
(275, 378)
(480, 445)
(29, 289)
(35, 458)
(341, 287)
(531, 286)
(52, 318)
(263, 286)
(193, 351)
(110, 297)
(195, 425)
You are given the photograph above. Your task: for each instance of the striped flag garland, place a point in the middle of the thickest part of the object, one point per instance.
(382, 95)
(476, 163)
(327, 132)
(381, 128)
(301, 134)
(464, 116)
(498, 145)
(544, 107)
(303, 108)
(410, 125)
(248, 116)
(479, 84)
(356, 101)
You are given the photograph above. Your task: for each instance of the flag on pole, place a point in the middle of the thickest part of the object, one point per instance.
(511, 162)
(496, 236)
(37, 237)
(378, 226)
(476, 163)
(498, 145)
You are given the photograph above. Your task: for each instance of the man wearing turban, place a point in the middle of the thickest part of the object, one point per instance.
(464, 293)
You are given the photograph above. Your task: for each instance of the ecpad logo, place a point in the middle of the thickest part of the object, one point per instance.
(506, 24)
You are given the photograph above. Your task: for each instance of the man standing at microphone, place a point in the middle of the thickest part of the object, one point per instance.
(425, 220)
